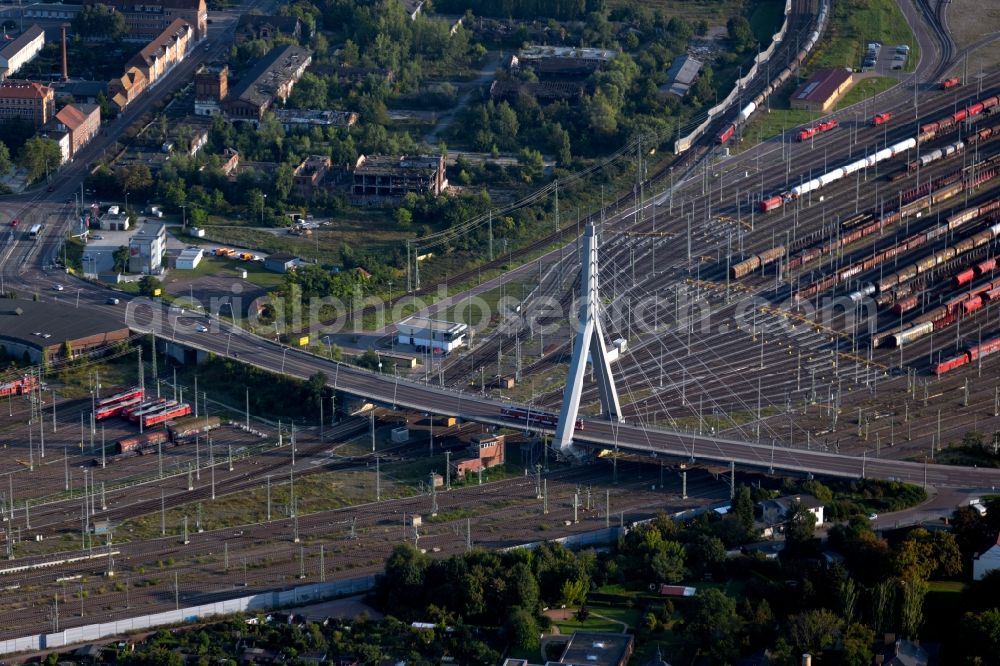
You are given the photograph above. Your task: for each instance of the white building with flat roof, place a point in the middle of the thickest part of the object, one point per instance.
(431, 334)
(146, 248)
(189, 258)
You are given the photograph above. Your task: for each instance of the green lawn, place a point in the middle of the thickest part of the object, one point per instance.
(866, 88)
(854, 24)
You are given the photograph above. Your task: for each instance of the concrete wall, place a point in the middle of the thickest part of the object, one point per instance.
(275, 599)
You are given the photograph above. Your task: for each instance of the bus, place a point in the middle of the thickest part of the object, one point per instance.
(34, 231)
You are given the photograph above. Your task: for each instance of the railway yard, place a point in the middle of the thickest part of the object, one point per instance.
(834, 289)
(212, 533)
(847, 318)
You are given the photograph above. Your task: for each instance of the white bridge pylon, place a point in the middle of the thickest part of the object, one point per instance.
(589, 338)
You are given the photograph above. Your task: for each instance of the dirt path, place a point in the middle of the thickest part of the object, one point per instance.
(446, 118)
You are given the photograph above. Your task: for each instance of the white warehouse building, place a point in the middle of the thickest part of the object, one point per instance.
(189, 258)
(431, 334)
(15, 54)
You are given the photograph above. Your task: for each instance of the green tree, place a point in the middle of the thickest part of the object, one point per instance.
(39, 157)
(99, 21)
(316, 386)
(531, 163)
(148, 285)
(911, 605)
(800, 524)
(857, 645)
(522, 629)
(120, 257)
(134, 178)
(403, 217)
(814, 630)
(667, 563)
(740, 33)
(715, 625)
(742, 509)
(5, 163)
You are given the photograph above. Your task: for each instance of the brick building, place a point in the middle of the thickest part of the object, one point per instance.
(145, 20)
(166, 50)
(822, 90)
(211, 87)
(486, 449)
(79, 123)
(127, 87)
(271, 78)
(309, 175)
(26, 99)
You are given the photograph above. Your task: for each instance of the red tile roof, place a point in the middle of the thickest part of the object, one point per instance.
(821, 85)
(12, 88)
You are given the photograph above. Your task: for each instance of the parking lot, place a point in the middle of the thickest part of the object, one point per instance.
(882, 58)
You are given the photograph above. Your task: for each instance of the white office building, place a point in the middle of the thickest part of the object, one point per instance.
(431, 334)
(146, 248)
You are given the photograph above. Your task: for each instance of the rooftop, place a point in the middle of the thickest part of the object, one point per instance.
(682, 73)
(74, 115)
(158, 46)
(388, 164)
(316, 117)
(821, 85)
(26, 37)
(260, 83)
(280, 256)
(23, 89)
(425, 323)
(150, 231)
(597, 649)
(540, 51)
(47, 323)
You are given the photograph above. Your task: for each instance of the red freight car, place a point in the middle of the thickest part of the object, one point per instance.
(984, 349)
(905, 305)
(950, 83)
(727, 134)
(951, 364)
(771, 203)
(145, 440)
(964, 277)
(880, 118)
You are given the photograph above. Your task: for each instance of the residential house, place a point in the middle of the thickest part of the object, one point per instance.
(771, 514)
(26, 99)
(15, 54)
(79, 123)
(380, 178)
(987, 561)
(271, 78)
(127, 87)
(166, 50)
(257, 26)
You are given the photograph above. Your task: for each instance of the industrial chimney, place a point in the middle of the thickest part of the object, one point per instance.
(65, 66)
